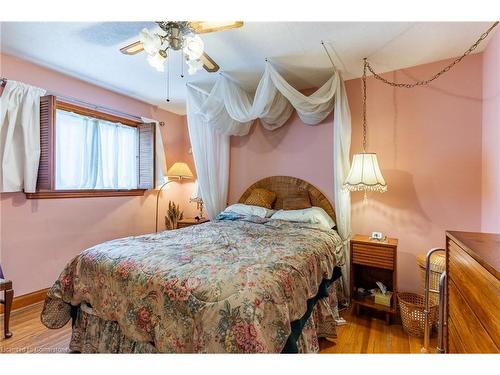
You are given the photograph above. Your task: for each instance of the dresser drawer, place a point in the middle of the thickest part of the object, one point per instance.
(466, 332)
(373, 255)
(477, 286)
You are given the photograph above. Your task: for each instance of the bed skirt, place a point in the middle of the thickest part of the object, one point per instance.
(91, 334)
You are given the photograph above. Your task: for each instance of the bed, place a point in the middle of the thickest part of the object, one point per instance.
(248, 285)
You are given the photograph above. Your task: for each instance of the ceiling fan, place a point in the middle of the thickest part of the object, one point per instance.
(175, 36)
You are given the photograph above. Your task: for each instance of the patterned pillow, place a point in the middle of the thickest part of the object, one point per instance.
(297, 201)
(261, 197)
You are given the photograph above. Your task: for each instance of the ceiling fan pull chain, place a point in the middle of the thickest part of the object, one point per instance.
(182, 63)
(168, 80)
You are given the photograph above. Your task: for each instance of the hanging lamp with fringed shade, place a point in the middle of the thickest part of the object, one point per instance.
(365, 174)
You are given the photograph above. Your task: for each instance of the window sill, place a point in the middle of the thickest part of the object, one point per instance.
(57, 194)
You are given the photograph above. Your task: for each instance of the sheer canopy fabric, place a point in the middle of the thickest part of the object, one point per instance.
(210, 152)
(341, 166)
(228, 110)
(273, 103)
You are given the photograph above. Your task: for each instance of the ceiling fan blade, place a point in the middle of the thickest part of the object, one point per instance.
(208, 63)
(132, 49)
(204, 27)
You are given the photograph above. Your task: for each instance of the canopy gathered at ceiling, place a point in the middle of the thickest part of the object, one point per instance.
(227, 110)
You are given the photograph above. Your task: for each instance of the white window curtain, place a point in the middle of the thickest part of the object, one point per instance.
(19, 137)
(161, 158)
(94, 154)
(228, 110)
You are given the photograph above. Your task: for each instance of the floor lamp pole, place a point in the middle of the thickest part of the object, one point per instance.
(158, 201)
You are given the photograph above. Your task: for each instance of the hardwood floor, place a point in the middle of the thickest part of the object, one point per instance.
(31, 336)
(365, 334)
(361, 334)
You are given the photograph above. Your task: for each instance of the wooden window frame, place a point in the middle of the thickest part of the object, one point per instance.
(46, 189)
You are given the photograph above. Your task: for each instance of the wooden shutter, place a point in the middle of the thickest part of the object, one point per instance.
(146, 162)
(46, 167)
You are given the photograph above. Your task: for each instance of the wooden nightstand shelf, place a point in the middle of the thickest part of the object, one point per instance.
(191, 221)
(373, 261)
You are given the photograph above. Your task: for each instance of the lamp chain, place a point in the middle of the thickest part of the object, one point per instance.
(367, 66)
(364, 103)
(438, 74)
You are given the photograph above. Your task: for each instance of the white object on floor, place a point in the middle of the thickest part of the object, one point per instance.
(340, 321)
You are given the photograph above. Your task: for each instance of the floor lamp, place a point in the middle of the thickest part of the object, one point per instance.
(177, 171)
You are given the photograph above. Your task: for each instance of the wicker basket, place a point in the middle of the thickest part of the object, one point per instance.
(411, 307)
(437, 267)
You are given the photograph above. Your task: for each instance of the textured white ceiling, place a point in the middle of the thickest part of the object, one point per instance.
(90, 51)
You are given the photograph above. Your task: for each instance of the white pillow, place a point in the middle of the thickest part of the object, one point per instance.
(313, 215)
(249, 210)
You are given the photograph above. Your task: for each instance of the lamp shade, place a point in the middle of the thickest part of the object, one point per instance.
(180, 170)
(365, 174)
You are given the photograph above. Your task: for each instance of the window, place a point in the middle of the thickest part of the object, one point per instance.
(94, 154)
(87, 153)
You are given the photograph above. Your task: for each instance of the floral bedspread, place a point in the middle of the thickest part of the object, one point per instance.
(222, 286)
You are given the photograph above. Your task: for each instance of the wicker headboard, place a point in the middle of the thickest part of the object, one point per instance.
(284, 185)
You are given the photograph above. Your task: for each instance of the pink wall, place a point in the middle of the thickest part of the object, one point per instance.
(490, 219)
(38, 237)
(295, 149)
(428, 142)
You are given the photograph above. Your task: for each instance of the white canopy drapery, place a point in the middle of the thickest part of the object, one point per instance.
(229, 110)
(210, 152)
(19, 137)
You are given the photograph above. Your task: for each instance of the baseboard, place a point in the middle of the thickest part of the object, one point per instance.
(27, 299)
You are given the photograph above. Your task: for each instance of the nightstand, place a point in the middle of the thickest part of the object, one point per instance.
(372, 261)
(190, 221)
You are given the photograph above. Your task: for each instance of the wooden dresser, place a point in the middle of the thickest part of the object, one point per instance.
(473, 292)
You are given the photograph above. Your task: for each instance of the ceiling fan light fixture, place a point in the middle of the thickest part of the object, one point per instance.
(193, 47)
(194, 66)
(178, 35)
(150, 41)
(157, 60)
